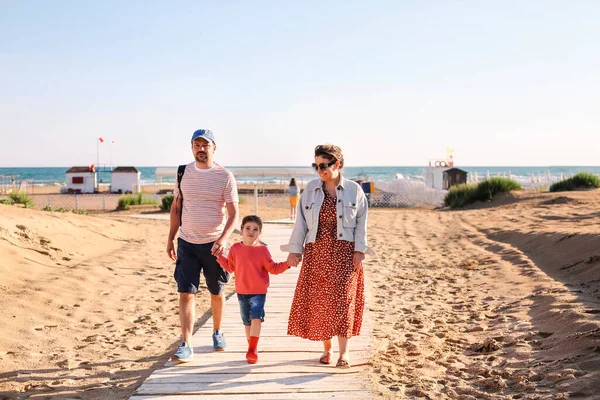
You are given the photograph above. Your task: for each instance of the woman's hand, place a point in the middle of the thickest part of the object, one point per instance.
(294, 259)
(358, 260)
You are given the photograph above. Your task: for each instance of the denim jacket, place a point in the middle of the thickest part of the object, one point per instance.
(351, 209)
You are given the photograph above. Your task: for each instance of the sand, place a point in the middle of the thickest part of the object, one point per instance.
(497, 302)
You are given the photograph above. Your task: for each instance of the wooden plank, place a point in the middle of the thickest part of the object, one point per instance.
(355, 395)
(253, 383)
(275, 358)
(234, 378)
(241, 366)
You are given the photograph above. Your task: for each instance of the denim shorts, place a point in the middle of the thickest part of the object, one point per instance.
(193, 258)
(252, 306)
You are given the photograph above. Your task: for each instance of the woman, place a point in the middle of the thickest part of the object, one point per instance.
(294, 196)
(331, 231)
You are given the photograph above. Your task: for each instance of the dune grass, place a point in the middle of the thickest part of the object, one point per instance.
(580, 180)
(135, 200)
(18, 198)
(461, 195)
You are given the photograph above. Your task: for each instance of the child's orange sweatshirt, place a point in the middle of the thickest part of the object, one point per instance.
(251, 266)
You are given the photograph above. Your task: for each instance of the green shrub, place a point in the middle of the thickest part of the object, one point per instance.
(47, 208)
(135, 200)
(21, 198)
(167, 202)
(580, 180)
(61, 210)
(144, 199)
(6, 201)
(80, 212)
(126, 201)
(487, 189)
(461, 195)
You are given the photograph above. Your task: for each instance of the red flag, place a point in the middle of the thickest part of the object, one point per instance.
(101, 140)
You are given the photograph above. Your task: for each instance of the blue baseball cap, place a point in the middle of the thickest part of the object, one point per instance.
(204, 134)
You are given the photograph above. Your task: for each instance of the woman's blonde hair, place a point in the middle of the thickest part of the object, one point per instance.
(330, 152)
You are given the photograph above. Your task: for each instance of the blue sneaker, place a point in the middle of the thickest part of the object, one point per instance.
(219, 341)
(183, 354)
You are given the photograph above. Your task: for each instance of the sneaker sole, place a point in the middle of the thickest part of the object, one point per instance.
(220, 349)
(182, 360)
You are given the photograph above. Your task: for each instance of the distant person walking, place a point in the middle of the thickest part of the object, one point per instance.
(206, 188)
(331, 231)
(294, 192)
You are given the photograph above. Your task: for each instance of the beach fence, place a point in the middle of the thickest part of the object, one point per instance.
(396, 194)
(71, 202)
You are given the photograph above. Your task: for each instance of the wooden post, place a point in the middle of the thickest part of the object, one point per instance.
(255, 199)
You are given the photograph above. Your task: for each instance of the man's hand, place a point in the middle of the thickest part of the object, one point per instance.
(171, 250)
(218, 247)
(357, 260)
(294, 259)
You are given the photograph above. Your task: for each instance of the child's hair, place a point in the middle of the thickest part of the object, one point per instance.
(293, 182)
(252, 218)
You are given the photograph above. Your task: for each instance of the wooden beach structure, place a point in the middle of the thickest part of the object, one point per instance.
(288, 366)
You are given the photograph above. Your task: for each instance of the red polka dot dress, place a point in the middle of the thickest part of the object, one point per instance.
(329, 296)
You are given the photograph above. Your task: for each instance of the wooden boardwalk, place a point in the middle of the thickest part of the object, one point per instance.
(288, 366)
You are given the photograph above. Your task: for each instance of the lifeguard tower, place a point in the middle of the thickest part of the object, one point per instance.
(434, 172)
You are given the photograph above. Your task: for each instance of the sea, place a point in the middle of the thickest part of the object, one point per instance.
(55, 176)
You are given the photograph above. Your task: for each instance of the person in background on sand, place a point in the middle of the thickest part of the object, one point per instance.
(331, 231)
(251, 263)
(206, 189)
(294, 192)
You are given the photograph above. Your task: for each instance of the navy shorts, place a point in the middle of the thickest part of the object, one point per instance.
(252, 306)
(193, 258)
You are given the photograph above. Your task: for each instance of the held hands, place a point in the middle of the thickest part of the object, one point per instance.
(294, 259)
(358, 260)
(218, 247)
(171, 250)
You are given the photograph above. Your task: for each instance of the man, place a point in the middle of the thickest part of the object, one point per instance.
(206, 189)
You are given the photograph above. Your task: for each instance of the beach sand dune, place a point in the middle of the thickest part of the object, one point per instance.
(88, 304)
(498, 302)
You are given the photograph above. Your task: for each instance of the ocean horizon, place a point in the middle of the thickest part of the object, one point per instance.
(55, 176)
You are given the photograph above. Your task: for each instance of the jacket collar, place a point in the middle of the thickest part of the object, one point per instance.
(316, 184)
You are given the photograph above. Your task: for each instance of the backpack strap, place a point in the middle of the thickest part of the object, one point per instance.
(180, 172)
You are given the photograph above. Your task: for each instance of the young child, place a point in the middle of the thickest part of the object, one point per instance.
(251, 263)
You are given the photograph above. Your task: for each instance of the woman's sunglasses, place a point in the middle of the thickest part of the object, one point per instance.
(323, 166)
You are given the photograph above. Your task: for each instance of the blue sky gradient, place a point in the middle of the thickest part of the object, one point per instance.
(391, 82)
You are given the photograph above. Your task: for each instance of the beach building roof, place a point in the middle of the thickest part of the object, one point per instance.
(125, 170)
(453, 170)
(78, 170)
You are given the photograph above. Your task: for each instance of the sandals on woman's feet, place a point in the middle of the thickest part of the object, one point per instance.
(343, 363)
(325, 357)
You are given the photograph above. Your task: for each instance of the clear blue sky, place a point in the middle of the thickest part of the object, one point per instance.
(391, 82)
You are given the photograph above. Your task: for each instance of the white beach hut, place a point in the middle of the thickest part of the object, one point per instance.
(125, 180)
(81, 179)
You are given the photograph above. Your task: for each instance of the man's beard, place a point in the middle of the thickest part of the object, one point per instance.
(201, 157)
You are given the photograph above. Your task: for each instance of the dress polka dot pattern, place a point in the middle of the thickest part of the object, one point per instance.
(329, 296)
